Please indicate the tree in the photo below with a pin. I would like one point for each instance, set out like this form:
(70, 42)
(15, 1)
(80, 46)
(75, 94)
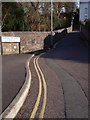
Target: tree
(37, 16)
(12, 16)
(29, 16)
(62, 17)
(33, 16)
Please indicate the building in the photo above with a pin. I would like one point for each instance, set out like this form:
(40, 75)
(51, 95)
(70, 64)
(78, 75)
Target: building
(84, 10)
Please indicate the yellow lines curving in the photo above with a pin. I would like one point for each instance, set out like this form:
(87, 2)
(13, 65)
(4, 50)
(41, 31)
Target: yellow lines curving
(39, 94)
(42, 83)
(45, 93)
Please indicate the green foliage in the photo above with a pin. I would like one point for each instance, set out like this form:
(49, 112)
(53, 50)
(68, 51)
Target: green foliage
(82, 23)
(87, 24)
(63, 22)
(26, 16)
(12, 17)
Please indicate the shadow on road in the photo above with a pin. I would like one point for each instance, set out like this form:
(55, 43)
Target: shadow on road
(71, 48)
(72, 56)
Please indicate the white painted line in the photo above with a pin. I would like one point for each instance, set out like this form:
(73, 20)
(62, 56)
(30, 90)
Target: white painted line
(12, 110)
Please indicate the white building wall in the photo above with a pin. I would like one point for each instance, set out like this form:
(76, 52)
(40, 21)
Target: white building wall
(84, 0)
(84, 11)
(89, 10)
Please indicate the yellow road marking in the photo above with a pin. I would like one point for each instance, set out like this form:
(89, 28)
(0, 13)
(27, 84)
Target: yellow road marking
(45, 92)
(40, 77)
(39, 94)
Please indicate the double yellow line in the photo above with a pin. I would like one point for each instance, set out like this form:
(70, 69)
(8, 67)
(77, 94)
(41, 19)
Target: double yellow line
(42, 84)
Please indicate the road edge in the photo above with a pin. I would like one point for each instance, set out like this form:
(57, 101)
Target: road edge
(12, 110)
(59, 42)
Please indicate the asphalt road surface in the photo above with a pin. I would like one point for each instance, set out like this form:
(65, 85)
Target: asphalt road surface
(65, 73)
(69, 61)
(13, 76)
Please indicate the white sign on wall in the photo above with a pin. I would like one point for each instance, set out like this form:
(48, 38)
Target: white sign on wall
(10, 39)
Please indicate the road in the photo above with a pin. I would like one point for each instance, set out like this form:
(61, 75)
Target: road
(59, 87)
(69, 61)
(13, 76)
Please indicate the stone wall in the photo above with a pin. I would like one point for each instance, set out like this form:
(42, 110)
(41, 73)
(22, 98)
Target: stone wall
(69, 29)
(85, 35)
(30, 41)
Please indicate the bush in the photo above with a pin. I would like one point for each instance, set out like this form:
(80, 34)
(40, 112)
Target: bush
(87, 24)
(82, 23)
(62, 23)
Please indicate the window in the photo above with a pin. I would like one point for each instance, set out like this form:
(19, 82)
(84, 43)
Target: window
(86, 10)
(86, 14)
(85, 17)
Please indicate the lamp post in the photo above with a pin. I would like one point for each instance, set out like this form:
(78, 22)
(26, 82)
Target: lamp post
(1, 46)
(51, 16)
(51, 23)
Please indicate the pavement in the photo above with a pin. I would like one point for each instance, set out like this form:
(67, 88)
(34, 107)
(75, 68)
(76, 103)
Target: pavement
(13, 77)
(65, 69)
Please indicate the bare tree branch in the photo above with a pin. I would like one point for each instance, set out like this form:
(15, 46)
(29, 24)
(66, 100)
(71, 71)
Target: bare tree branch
(2, 23)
